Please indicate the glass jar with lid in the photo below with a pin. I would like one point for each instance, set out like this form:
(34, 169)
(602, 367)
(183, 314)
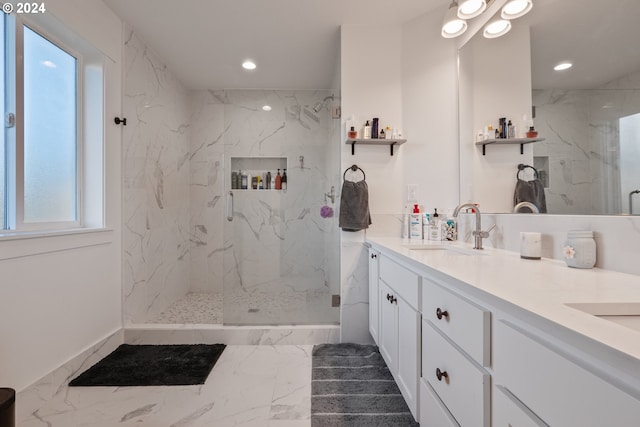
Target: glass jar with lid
(580, 249)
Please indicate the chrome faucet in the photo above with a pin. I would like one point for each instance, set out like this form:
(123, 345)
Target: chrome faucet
(533, 208)
(477, 233)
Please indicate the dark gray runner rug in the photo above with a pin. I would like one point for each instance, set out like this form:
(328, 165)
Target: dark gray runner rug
(351, 386)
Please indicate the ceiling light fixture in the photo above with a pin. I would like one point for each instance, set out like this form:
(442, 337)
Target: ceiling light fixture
(452, 26)
(471, 8)
(497, 28)
(266, 107)
(563, 66)
(249, 65)
(516, 8)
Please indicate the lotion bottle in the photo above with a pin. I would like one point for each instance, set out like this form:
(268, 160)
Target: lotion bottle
(415, 224)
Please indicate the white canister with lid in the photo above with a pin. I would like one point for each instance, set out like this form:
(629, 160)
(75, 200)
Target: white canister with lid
(580, 249)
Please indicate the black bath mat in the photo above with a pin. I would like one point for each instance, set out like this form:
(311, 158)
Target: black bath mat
(152, 365)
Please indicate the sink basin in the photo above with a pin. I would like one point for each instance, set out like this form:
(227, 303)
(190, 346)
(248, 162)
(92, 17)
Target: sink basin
(626, 314)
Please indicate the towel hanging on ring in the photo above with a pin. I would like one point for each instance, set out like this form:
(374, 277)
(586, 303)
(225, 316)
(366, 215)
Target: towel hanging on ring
(530, 191)
(354, 203)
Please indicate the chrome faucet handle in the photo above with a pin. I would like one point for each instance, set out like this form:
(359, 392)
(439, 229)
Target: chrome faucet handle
(484, 234)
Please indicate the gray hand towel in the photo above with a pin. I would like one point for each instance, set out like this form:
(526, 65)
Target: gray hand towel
(354, 206)
(530, 191)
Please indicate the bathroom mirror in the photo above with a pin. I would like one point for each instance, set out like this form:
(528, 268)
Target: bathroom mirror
(589, 114)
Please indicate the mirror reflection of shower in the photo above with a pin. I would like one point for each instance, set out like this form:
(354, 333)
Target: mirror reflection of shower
(321, 104)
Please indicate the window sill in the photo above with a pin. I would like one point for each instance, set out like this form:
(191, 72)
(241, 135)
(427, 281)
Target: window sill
(22, 244)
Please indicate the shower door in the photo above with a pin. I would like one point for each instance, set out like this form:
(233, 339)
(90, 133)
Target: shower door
(281, 257)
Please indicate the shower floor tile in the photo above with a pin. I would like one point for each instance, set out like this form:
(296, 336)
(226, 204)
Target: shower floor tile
(195, 307)
(261, 386)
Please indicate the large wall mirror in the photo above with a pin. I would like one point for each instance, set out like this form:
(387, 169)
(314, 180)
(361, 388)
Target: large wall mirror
(588, 115)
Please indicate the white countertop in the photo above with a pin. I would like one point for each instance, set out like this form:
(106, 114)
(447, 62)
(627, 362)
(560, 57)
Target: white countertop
(541, 287)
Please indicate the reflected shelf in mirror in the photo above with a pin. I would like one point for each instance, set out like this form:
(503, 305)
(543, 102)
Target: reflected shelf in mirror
(508, 141)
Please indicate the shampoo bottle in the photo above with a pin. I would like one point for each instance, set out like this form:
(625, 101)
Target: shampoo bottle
(278, 181)
(415, 224)
(366, 134)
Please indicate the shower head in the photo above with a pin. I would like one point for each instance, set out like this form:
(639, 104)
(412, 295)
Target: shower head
(320, 104)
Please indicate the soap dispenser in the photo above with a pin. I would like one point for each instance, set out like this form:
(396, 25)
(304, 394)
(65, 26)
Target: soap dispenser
(435, 230)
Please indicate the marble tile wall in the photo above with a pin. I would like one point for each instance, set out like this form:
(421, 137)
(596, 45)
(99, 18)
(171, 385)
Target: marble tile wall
(582, 134)
(274, 260)
(156, 153)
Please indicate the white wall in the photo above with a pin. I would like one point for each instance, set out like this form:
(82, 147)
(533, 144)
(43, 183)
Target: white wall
(413, 90)
(61, 294)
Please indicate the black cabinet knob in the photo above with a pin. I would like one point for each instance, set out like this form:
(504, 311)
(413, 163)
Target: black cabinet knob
(388, 297)
(441, 313)
(374, 256)
(441, 374)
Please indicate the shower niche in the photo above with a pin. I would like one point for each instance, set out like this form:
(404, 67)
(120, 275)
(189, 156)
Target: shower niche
(256, 173)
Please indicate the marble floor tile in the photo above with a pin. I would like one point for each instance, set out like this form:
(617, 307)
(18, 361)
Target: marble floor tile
(249, 386)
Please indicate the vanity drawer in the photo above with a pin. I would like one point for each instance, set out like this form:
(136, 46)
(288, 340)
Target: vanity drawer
(561, 391)
(403, 281)
(465, 323)
(463, 387)
(509, 411)
(432, 410)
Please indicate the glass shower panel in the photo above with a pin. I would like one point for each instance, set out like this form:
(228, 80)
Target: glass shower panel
(280, 263)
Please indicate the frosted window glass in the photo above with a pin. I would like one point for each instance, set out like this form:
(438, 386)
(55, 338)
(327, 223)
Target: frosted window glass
(50, 146)
(3, 143)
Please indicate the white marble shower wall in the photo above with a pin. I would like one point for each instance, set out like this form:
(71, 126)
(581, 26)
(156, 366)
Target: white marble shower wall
(582, 134)
(272, 259)
(156, 185)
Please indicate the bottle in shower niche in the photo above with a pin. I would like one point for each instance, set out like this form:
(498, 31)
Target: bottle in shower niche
(267, 181)
(234, 180)
(374, 128)
(284, 180)
(244, 181)
(278, 181)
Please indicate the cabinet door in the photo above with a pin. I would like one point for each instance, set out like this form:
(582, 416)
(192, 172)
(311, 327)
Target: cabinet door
(388, 332)
(408, 354)
(374, 300)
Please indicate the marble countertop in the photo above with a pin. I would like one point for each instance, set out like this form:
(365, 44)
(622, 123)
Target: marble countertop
(541, 287)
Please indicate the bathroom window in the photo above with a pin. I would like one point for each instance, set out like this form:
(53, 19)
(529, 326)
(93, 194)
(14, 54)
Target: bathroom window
(41, 165)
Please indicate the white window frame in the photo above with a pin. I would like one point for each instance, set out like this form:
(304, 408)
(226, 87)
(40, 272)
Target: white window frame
(15, 136)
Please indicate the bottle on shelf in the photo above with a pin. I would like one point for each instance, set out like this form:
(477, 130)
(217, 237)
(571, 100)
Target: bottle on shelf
(267, 183)
(278, 181)
(374, 128)
(382, 134)
(284, 180)
(366, 134)
(352, 133)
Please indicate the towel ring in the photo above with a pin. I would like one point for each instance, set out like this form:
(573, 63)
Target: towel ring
(522, 167)
(354, 168)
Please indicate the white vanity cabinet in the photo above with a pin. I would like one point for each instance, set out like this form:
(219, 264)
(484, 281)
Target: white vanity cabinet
(455, 347)
(554, 384)
(374, 293)
(399, 331)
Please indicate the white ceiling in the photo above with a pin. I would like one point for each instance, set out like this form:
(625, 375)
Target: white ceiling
(296, 42)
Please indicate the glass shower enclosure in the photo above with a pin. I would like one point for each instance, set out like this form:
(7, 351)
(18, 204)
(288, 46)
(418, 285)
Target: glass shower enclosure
(281, 256)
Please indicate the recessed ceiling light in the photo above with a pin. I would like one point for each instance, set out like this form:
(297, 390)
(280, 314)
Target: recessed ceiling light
(266, 107)
(563, 66)
(452, 26)
(249, 65)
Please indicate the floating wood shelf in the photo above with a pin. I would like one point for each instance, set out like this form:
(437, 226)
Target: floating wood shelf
(389, 142)
(508, 141)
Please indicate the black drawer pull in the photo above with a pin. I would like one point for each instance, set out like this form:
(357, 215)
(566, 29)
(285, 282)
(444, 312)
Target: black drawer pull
(441, 313)
(393, 299)
(389, 297)
(441, 374)
(373, 256)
